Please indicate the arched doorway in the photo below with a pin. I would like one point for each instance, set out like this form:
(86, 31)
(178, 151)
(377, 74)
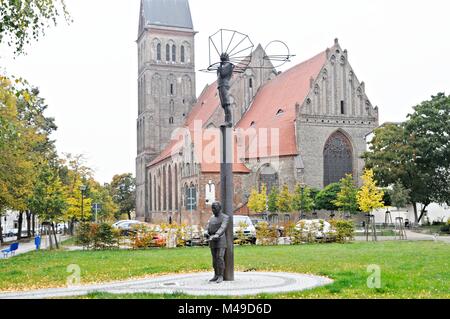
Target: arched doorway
(269, 177)
(337, 158)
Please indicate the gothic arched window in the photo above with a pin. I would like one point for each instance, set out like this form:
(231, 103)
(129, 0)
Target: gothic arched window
(164, 191)
(174, 53)
(170, 189)
(150, 195)
(158, 52)
(158, 197)
(269, 177)
(182, 54)
(191, 197)
(167, 52)
(171, 107)
(338, 158)
(176, 186)
(186, 86)
(171, 88)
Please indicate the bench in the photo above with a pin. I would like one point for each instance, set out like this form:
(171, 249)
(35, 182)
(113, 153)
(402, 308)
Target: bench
(11, 250)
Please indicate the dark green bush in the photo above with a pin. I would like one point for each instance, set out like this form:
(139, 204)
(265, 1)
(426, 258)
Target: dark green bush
(83, 235)
(97, 236)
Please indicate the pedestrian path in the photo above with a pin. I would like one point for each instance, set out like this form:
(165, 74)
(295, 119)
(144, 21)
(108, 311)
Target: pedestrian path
(196, 284)
(30, 246)
(411, 236)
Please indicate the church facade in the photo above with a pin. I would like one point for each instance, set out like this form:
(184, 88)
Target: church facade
(306, 125)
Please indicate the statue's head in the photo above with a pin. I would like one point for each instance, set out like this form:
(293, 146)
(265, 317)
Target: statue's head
(224, 57)
(216, 208)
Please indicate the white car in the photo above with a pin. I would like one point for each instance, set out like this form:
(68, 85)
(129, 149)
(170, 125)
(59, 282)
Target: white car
(117, 224)
(126, 225)
(318, 227)
(249, 230)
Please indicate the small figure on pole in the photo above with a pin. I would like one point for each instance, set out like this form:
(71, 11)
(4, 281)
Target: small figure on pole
(224, 74)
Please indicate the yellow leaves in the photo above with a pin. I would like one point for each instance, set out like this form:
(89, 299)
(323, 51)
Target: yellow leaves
(78, 206)
(369, 196)
(258, 200)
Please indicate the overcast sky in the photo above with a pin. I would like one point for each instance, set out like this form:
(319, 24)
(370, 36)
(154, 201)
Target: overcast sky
(87, 71)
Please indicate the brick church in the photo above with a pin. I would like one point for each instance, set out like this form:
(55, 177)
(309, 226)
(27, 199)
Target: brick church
(305, 125)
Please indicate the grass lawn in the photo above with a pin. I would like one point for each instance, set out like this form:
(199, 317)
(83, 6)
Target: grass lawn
(408, 269)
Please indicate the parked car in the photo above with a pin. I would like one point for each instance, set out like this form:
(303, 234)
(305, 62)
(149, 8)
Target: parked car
(249, 230)
(127, 227)
(116, 224)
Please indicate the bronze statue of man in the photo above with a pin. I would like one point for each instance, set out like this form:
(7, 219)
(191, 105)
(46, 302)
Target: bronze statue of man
(224, 74)
(215, 232)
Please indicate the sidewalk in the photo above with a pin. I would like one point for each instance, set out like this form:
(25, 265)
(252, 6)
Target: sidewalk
(29, 246)
(412, 236)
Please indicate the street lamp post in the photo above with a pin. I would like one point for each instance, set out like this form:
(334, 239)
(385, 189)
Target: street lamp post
(82, 189)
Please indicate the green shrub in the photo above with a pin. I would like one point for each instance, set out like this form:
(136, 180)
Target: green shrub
(105, 237)
(343, 230)
(83, 235)
(97, 236)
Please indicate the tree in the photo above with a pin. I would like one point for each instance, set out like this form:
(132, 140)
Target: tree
(257, 201)
(326, 197)
(272, 200)
(25, 144)
(284, 200)
(74, 174)
(49, 199)
(101, 195)
(369, 197)
(399, 195)
(429, 131)
(346, 198)
(8, 142)
(123, 192)
(78, 204)
(416, 154)
(302, 199)
(23, 21)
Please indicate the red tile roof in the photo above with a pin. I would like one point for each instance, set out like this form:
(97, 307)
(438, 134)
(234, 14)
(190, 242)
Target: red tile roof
(205, 107)
(282, 93)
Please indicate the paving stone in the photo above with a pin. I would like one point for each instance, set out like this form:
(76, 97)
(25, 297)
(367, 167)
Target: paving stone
(245, 284)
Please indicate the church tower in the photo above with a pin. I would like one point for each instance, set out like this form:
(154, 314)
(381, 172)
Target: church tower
(166, 81)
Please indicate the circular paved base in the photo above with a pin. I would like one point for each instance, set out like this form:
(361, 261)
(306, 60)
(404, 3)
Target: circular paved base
(250, 283)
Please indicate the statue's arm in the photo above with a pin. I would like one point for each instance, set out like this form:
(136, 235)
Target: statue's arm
(223, 227)
(207, 234)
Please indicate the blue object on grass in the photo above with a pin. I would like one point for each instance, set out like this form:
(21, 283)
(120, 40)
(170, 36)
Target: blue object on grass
(11, 250)
(37, 242)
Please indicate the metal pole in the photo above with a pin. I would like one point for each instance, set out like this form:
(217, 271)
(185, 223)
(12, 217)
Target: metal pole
(226, 184)
(82, 205)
